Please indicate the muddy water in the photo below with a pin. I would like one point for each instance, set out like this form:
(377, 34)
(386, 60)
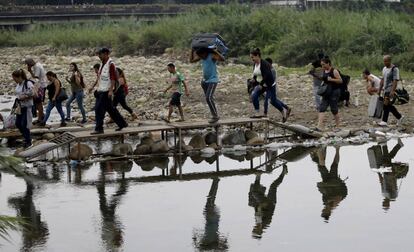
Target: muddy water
(351, 198)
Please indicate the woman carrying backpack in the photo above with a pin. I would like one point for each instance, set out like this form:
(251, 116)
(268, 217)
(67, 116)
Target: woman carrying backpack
(333, 79)
(120, 93)
(262, 74)
(77, 85)
(24, 94)
(53, 89)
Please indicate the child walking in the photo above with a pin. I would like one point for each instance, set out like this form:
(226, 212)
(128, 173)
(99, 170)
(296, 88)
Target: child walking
(177, 85)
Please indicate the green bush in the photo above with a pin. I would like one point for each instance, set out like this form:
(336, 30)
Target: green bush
(293, 38)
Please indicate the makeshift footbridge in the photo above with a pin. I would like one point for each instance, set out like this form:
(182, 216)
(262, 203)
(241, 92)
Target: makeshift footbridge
(176, 128)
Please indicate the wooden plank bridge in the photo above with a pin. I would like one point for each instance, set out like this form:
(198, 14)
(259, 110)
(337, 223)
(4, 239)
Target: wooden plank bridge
(177, 128)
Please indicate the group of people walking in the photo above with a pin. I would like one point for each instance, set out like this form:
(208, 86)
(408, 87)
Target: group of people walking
(111, 89)
(326, 74)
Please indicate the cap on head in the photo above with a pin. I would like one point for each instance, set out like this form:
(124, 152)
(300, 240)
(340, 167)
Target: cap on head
(104, 50)
(29, 61)
(170, 64)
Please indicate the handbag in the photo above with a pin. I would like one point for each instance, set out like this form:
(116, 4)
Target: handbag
(62, 95)
(10, 121)
(401, 96)
(324, 89)
(17, 108)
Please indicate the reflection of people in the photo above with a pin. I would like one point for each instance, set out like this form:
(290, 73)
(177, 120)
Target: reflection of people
(332, 187)
(36, 231)
(379, 157)
(211, 238)
(264, 206)
(112, 233)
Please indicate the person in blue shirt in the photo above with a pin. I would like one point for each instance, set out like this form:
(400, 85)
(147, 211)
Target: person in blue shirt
(209, 59)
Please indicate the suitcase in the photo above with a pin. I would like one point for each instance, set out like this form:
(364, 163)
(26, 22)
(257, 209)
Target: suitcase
(380, 107)
(372, 106)
(210, 41)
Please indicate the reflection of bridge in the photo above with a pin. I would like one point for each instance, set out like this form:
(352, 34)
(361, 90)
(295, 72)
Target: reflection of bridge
(177, 128)
(266, 164)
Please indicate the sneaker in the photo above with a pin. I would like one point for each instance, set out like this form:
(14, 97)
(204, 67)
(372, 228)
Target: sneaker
(63, 124)
(400, 121)
(27, 145)
(84, 121)
(382, 124)
(256, 114)
(213, 120)
(67, 119)
(122, 127)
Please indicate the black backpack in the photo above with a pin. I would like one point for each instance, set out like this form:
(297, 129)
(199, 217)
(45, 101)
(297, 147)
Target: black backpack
(345, 95)
(401, 95)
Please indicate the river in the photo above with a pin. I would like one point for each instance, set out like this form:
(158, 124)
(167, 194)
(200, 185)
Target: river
(345, 198)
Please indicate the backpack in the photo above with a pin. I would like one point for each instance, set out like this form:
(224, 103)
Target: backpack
(345, 95)
(35, 91)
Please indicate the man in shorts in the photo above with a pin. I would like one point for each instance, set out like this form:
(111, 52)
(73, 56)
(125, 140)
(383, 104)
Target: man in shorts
(177, 85)
(38, 73)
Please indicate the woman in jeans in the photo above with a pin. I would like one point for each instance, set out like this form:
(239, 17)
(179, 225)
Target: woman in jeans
(76, 84)
(53, 92)
(121, 93)
(24, 94)
(262, 74)
(331, 77)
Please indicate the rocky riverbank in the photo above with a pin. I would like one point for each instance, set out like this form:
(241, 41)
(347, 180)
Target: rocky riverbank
(147, 79)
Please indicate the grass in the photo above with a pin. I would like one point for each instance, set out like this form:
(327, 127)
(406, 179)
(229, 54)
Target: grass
(353, 39)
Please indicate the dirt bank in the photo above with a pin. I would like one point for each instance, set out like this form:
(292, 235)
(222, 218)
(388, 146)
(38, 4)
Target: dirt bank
(147, 78)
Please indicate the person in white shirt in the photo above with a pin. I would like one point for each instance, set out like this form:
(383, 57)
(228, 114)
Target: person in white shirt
(373, 85)
(38, 73)
(107, 77)
(24, 94)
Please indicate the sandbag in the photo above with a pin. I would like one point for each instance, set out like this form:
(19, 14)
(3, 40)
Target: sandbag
(36, 149)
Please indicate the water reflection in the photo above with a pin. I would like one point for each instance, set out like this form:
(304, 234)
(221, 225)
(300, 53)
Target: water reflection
(261, 182)
(36, 232)
(264, 205)
(380, 160)
(332, 187)
(210, 238)
(112, 228)
(78, 168)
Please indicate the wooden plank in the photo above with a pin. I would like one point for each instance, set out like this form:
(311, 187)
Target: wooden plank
(298, 129)
(129, 130)
(41, 131)
(206, 124)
